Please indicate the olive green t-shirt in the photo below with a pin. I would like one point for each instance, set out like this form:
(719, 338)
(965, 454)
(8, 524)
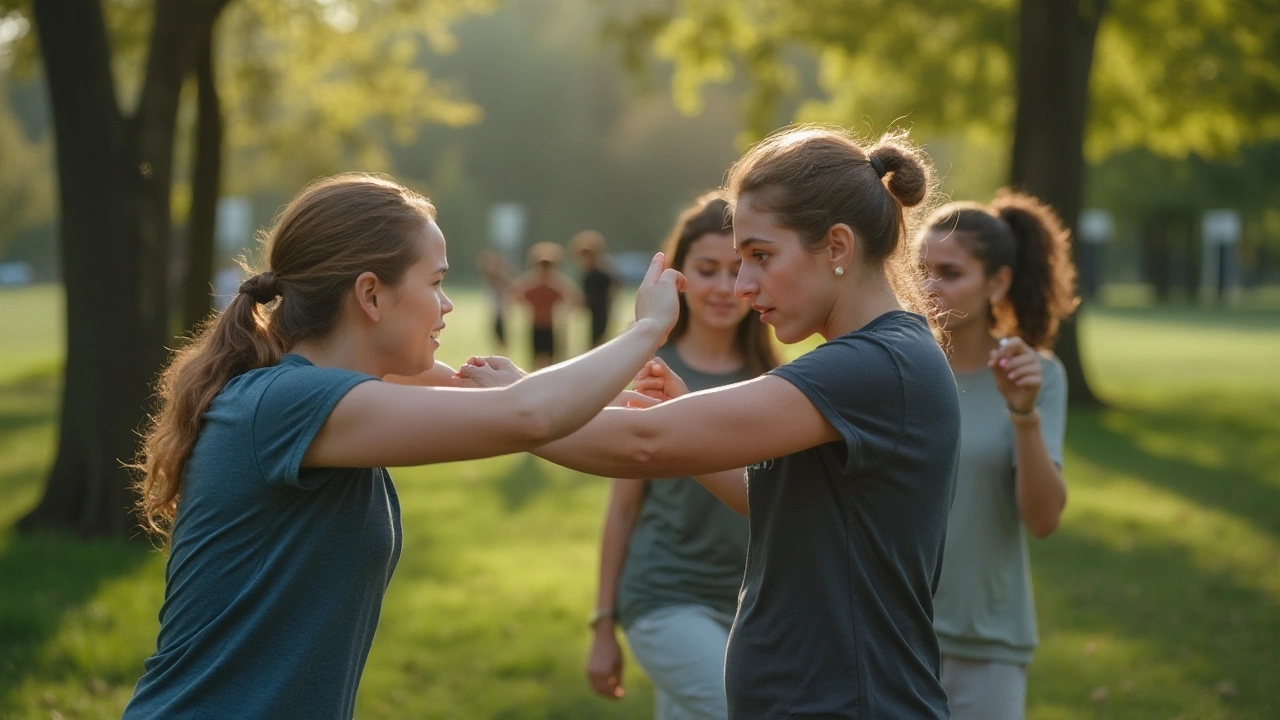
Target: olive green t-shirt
(688, 547)
(983, 609)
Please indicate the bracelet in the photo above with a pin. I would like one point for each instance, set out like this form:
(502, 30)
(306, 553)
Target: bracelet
(597, 616)
(1024, 418)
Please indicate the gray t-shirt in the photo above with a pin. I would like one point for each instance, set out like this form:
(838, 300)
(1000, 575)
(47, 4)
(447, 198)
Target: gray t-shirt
(983, 609)
(846, 538)
(687, 547)
(276, 572)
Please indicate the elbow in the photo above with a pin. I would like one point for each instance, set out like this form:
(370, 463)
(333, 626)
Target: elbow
(535, 425)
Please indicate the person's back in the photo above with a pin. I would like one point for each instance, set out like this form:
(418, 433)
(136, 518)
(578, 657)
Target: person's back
(276, 572)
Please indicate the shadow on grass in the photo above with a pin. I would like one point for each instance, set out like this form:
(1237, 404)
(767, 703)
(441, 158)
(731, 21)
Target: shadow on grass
(1178, 613)
(526, 480)
(48, 576)
(1221, 458)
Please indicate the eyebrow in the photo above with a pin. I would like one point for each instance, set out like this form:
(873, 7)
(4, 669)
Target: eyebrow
(753, 241)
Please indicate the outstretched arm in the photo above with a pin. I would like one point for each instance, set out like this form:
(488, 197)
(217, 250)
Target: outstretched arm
(378, 423)
(706, 432)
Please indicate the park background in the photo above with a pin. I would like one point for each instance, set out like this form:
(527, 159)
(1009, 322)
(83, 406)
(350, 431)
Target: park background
(1159, 597)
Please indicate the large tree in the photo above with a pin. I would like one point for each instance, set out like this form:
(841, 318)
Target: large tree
(116, 174)
(1171, 75)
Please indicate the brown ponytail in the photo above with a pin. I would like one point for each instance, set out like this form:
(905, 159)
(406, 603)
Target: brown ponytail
(334, 230)
(815, 177)
(1022, 233)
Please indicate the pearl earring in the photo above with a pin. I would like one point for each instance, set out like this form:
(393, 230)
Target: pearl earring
(839, 271)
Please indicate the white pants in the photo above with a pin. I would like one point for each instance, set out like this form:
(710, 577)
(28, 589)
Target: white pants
(682, 648)
(984, 689)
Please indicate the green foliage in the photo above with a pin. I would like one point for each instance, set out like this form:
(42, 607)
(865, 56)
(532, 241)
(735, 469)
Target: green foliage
(1171, 76)
(347, 76)
(1157, 597)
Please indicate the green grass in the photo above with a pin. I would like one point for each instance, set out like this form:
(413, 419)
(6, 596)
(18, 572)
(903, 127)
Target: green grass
(1158, 598)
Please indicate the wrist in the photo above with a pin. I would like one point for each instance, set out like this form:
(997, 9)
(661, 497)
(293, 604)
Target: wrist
(601, 619)
(654, 331)
(1023, 417)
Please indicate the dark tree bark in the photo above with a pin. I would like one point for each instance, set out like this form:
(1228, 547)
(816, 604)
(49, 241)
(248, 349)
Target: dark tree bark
(206, 181)
(113, 189)
(1055, 54)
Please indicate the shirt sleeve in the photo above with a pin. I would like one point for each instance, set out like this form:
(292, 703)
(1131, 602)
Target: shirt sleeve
(857, 386)
(290, 413)
(1052, 404)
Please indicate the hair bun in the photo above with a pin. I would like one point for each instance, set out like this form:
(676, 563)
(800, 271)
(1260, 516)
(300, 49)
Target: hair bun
(906, 174)
(263, 287)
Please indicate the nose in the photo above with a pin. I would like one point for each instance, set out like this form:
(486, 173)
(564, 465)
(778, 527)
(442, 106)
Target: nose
(446, 305)
(745, 286)
(725, 281)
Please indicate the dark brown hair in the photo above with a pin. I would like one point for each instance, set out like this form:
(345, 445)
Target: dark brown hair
(812, 178)
(709, 215)
(1022, 233)
(334, 230)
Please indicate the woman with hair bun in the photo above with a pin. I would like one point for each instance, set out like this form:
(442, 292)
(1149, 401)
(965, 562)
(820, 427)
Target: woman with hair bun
(264, 470)
(849, 450)
(1003, 276)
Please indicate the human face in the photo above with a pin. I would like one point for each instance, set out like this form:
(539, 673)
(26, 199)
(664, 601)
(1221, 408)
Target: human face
(414, 316)
(711, 269)
(958, 280)
(779, 276)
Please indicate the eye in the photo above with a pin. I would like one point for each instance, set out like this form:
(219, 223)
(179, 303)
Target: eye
(706, 272)
(759, 256)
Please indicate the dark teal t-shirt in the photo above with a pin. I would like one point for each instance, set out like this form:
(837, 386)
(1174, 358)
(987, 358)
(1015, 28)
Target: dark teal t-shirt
(846, 538)
(276, 573)
(688, 547)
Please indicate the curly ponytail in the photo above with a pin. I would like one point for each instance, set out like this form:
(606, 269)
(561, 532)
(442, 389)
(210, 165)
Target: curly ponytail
(1022, 233)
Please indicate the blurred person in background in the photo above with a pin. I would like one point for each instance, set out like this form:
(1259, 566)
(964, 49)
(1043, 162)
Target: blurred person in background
(672, 554)
(545, 290)
(497, 282)
(1003, 276)
(598, 284)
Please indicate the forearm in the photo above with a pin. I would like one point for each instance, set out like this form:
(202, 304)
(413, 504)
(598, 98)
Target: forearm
(610, 367)
(1040, 490)
(730, 486)
(618, 526)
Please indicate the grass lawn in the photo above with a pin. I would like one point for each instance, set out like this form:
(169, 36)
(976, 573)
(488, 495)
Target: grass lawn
(1158, 598)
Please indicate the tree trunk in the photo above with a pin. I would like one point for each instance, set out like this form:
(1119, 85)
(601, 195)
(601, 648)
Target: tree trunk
(113, 191)
(206, 181)
(1055, 52)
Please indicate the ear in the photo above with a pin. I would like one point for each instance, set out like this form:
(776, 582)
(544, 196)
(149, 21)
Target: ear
(367, 288)
(842, 246)
(998, 284)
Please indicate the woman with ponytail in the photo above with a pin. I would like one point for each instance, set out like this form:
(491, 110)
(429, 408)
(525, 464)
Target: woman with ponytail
(849, 451)
(264, 470)
(1003, 275)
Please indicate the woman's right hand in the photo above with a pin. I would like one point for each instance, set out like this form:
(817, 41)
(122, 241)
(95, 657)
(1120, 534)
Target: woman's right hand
(604, 664)
(658, 381)
(658, 298)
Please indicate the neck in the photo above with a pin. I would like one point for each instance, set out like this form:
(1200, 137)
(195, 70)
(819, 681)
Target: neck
(709, 350)
(970, 345)
(868, 299)
(339, 350)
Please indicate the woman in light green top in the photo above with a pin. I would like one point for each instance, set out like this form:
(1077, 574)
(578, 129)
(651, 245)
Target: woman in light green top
(672, 555)
(1004, 277)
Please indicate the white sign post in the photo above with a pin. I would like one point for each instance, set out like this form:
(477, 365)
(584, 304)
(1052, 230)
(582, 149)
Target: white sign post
(1219, 277)
(1095, 230)
(507, 223)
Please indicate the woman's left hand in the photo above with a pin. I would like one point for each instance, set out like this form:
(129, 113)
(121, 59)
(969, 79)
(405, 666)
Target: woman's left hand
(489, 371)
(1016, 367)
